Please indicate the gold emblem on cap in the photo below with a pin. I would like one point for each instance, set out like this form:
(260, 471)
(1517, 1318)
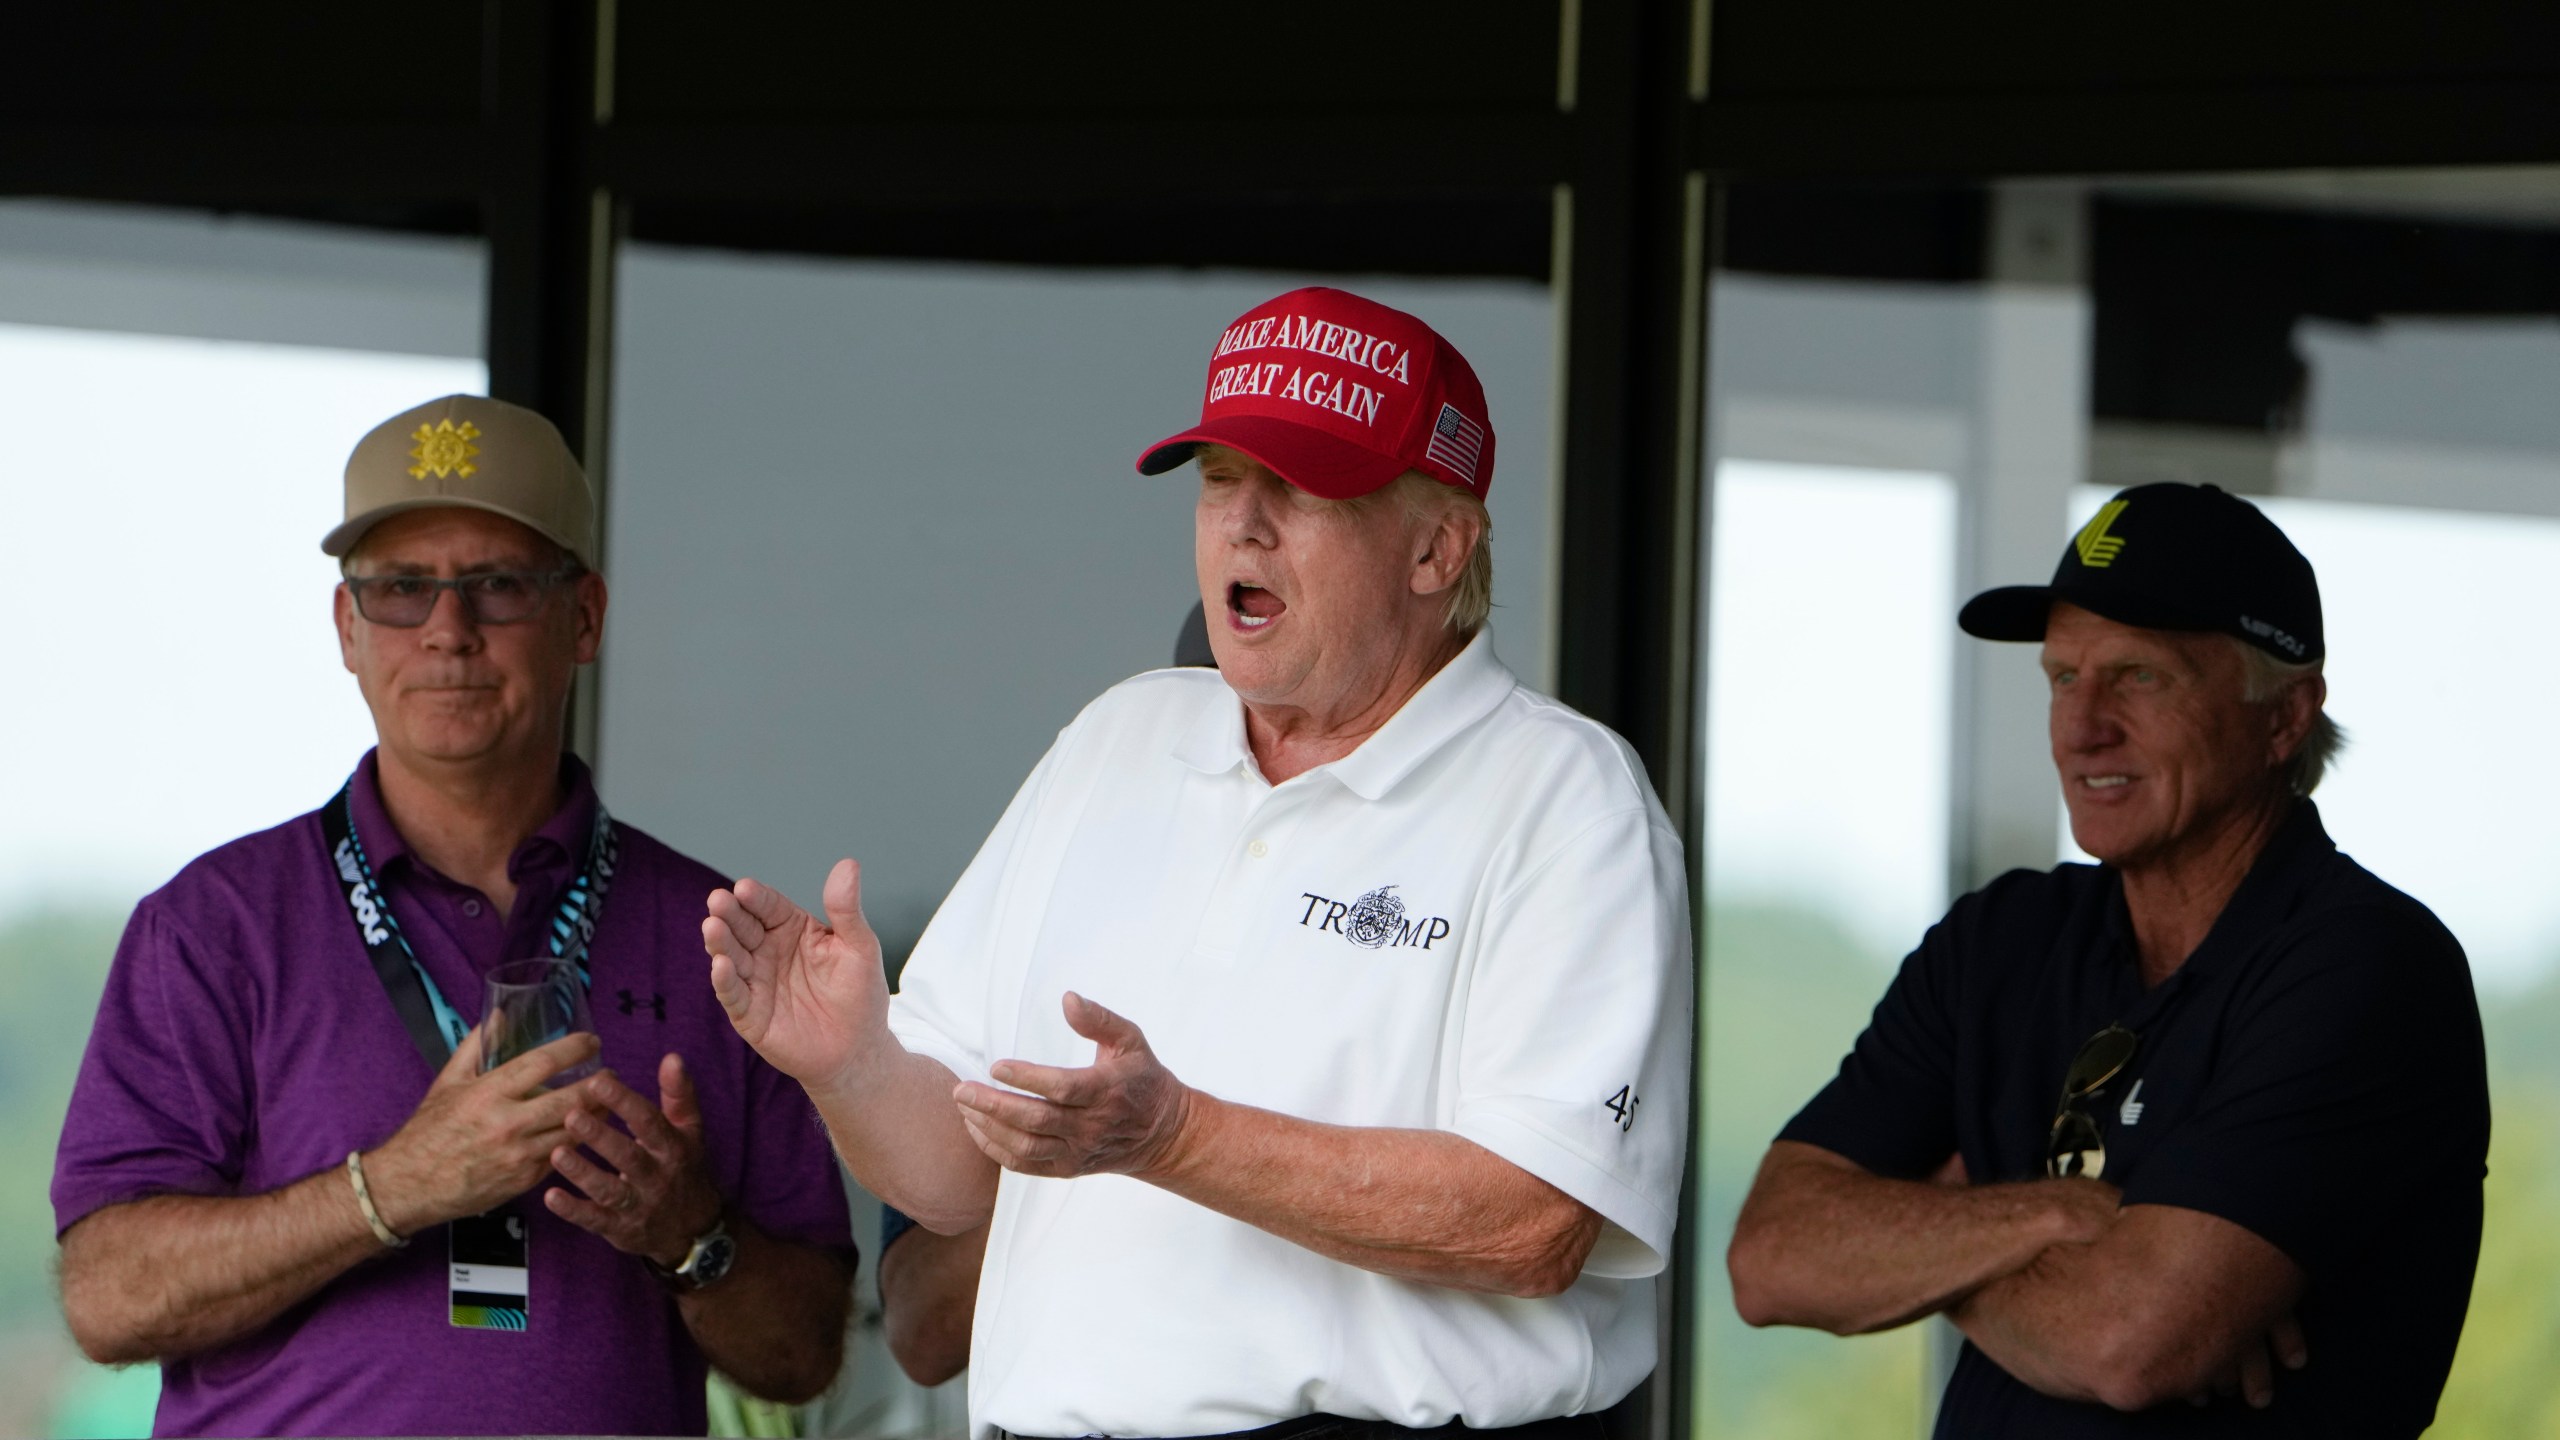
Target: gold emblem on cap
(444, 449)
(2097, 548)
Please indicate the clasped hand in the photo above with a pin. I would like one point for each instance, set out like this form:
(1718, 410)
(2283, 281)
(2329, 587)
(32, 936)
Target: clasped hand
(647, 1191)
(477, 1141)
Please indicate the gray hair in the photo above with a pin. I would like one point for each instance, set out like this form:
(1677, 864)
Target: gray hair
(2266, 678)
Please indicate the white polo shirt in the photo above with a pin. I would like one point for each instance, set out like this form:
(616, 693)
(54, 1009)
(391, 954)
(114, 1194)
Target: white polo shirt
(1476, 922)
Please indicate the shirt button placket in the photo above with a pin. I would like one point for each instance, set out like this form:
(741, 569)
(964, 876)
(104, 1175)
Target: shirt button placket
(1241, 883)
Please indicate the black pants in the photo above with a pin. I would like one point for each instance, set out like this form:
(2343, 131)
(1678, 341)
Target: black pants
(1336, 1427)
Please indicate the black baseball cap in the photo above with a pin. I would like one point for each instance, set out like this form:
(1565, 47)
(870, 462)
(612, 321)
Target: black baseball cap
(2172, 557)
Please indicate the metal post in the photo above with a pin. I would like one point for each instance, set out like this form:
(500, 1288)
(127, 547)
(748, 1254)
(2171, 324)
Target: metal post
(1632, 286)
(551, 234)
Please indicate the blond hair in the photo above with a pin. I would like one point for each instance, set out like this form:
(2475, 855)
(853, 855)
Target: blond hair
(1425, 500)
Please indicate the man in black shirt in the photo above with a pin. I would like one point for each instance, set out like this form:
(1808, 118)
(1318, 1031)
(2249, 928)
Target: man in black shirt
(2189, 1142)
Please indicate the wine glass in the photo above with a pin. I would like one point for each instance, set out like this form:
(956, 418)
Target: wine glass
(532, 1003)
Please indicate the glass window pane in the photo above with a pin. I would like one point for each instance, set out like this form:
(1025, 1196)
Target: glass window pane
(1828, 709)
(179, 394)
(2370, 357)
(2441, 719)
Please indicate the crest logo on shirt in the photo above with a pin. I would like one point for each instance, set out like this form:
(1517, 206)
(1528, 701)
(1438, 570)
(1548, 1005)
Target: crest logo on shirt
(1375, 921)
(1373, 918)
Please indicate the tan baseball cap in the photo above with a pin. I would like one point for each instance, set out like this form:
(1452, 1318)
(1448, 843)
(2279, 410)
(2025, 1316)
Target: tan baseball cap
(475, 451)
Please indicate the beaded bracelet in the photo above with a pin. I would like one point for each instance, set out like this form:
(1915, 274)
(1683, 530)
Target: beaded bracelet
(364, 1202)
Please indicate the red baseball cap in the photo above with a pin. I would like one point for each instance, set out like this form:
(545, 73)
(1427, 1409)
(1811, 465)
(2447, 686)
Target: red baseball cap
(1339, 395)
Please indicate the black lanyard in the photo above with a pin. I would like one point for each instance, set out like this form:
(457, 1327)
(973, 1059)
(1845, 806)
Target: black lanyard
(434, 1026)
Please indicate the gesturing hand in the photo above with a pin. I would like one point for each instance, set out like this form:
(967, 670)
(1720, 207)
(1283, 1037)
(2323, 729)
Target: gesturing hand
(808, 997)
(477, 1140)
(1123, 1115)
(652, 1195)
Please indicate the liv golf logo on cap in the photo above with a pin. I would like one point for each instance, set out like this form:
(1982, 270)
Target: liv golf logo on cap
(2098, 549)
(1339, 395)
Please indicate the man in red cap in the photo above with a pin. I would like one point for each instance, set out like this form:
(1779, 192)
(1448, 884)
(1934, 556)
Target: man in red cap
(1312, 1034)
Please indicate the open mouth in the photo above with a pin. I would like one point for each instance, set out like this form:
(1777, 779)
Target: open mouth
(2106, 782)
(1251, 607)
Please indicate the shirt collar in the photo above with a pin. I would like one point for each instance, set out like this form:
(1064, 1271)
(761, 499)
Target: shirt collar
(560, 841)
(1464, 691)
(2266, 894)
(2274, 882)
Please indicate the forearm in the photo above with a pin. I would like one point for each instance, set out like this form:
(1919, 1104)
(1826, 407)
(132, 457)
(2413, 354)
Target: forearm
(2039, 1325)
(928, 1301)
(2162, 1307)
(1420, 1205)
(892, 1121)
(775, 1323)
(175, 1274)
(1825, 1244)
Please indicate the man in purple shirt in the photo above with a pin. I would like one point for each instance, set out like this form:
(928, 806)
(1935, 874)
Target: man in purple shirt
(285, 1176)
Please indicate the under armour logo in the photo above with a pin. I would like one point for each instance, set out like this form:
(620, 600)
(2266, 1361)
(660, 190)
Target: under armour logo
(2130, 1112)
(655, 1005)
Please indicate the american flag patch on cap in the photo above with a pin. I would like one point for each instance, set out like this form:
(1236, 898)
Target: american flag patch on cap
(1456, 442)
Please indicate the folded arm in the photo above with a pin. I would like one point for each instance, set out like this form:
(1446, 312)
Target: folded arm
(1822, 1242)
(2167, 1304)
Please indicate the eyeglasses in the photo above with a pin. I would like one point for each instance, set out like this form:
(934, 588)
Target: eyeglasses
(2077, 1146)
(490, 597)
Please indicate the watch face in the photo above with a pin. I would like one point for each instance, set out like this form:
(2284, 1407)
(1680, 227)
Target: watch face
(717, 1254)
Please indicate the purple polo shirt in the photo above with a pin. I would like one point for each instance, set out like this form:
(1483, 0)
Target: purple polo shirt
(244, 1043)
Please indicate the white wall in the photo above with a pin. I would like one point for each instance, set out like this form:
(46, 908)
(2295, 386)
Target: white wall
(875, 536)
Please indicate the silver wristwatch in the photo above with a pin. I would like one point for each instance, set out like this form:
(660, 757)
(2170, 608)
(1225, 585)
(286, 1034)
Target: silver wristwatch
(713, 1252)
